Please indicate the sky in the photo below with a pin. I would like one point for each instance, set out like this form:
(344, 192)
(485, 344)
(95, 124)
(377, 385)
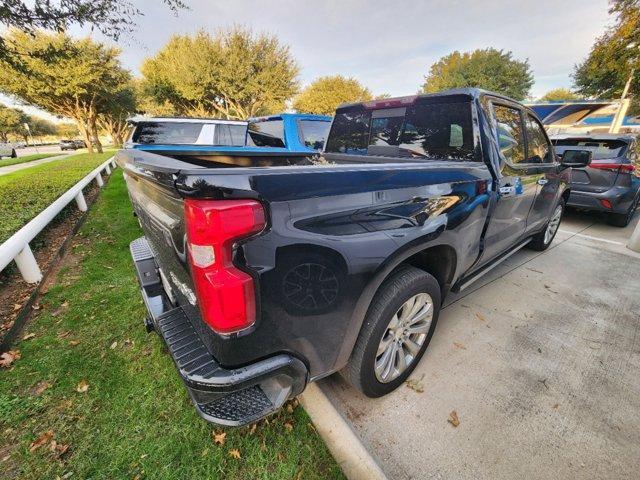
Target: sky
(387, 45)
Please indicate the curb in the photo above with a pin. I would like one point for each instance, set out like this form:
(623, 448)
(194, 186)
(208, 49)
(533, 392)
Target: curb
(345, 446)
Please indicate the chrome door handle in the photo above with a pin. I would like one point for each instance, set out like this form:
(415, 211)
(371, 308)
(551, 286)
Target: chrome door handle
(543, 181)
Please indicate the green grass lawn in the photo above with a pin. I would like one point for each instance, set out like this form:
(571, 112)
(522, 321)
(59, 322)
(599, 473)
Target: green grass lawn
(5, 162)
(25, 193)
(136, 419)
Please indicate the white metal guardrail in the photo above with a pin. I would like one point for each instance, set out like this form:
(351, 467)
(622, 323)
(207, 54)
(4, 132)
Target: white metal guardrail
(17, 246)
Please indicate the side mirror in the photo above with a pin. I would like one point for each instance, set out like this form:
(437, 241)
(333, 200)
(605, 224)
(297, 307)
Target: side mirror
(576, 158)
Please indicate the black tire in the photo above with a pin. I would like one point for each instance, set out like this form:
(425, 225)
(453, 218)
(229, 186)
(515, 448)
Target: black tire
(623, 219)
(392, 294)
(13, 153)
(538, 241)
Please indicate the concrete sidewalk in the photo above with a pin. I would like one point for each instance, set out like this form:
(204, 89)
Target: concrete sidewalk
(21, 166)
(541, 362)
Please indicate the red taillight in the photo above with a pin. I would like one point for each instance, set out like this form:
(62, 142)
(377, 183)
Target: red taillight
(225, 294)
(614, 167)
(606, 203)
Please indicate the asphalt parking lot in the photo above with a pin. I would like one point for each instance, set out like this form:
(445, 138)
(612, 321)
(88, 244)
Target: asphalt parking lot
(539, 361)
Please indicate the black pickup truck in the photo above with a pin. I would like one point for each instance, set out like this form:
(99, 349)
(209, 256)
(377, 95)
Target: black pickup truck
(263, 273)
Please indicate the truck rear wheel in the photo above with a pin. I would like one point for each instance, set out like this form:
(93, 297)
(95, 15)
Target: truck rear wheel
(396, 332)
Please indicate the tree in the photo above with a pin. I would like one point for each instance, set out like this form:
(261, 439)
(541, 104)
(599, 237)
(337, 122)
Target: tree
(39, 127)
(324, 94)
(614, 56)
(559, 94)
(111, 17)
(234, 74)
(67, 130)
(490, 69)
(11, 122)
(75, 83)
(115, 111)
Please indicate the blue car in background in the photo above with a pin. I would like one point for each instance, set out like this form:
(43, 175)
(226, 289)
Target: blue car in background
(286, 133)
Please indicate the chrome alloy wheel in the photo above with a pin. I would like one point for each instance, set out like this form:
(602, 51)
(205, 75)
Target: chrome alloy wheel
(403, 338)
(553, 225)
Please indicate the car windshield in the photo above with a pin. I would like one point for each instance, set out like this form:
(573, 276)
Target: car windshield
(166, 132)
(423, 130)
(602, 149)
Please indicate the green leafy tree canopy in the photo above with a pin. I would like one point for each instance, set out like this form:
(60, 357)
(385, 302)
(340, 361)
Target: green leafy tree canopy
(233, 74)
(111, 17)
(614, 56)
(324, 94)
(491, 69)
(76, 83)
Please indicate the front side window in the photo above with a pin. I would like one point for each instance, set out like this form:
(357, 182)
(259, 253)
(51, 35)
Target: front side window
(166, 132)
(423, 130)
(313, 133)
(538, 148)
(266, 133)
(510, 134)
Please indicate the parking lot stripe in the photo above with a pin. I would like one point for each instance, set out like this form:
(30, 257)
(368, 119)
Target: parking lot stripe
(598, 239)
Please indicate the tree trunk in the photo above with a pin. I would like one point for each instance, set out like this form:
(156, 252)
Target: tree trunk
(94, 134)
(84, 131)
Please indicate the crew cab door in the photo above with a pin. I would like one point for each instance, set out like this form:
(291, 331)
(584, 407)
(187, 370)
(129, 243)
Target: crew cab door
(517, 180)
(541, 158)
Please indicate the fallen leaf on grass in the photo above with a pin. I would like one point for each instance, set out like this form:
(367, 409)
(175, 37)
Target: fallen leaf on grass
(35, 306)
(219, 438)
(16, 307)
(453, 418)
(73, 343)
(288, 426)
(7, 358)
(64, 334)
(113, 346)
(235, 453)
(82, 387)
(459, 345)
(40, 387)
(41, 440)
(252, 429)
(28, 336)
(416, 384)
(58, 448)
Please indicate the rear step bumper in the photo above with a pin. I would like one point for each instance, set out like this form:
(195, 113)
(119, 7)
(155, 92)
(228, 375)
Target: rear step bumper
(620, 198)
(223, 396)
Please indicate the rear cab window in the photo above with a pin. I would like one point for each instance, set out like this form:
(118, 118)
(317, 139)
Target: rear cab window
(601, 149)
(429, 129)
(266, 133)
(166, 132)
(313, 133)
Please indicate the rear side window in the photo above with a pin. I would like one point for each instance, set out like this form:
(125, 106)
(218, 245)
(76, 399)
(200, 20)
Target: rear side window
(538, 148)
(231, 135)
(313, 133)
(510, 134)
(427, 130)
(601, 149)
(266, 133)
(166, 132)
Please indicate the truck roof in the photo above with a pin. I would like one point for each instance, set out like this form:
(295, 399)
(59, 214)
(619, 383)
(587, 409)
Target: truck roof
(141, 118)
(471, 93)
(299, 116)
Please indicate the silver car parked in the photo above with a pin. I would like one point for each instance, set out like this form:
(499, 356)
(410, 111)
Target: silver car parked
(611, 182)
